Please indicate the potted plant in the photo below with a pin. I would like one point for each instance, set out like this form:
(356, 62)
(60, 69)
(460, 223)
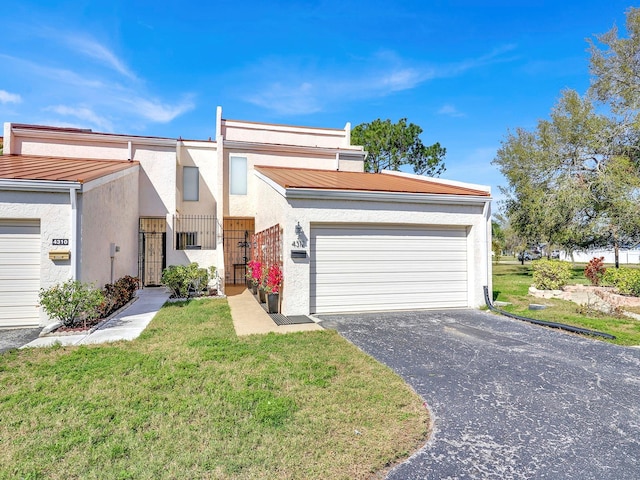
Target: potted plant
(262, 284)
(255, 267)
(274, 283)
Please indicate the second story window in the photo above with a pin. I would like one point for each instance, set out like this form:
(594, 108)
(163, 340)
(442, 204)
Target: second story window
(190, 184)
(237, 175)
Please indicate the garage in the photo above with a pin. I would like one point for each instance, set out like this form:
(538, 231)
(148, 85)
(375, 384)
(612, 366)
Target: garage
(387, 267)
(19, 273)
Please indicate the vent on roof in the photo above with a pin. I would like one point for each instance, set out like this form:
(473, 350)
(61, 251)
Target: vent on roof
(350, 155)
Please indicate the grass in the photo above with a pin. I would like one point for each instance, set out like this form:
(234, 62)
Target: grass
(189, 399)
(511, 282)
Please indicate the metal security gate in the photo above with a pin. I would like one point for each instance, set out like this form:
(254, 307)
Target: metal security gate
(152, 250)
(237, 233)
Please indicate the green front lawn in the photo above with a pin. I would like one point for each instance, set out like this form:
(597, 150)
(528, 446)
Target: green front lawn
(511, 283)
(189, 399)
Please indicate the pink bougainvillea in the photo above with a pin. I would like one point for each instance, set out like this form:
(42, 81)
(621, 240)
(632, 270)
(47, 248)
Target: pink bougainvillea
(254, 271)
(274, 279)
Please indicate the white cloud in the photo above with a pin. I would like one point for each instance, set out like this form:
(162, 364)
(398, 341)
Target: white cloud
(97, 93)
(158, 111)
(6, 97)
(297, 99)
(97, 51)
(450, 111)
(300, 86)
(82, 113)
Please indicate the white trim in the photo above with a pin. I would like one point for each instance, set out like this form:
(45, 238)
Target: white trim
(90, 185)
(38, 185)
(271, 183)
(73, 200)
(276, 147)
(92, 136)
(397, 197)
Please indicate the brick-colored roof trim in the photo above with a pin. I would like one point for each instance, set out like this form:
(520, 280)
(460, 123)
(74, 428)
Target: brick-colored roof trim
(36, 167)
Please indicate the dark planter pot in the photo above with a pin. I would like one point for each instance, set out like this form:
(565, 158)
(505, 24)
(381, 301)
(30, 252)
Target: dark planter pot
(254, 288)
(262, 295)
(248, 282)
(273, 302)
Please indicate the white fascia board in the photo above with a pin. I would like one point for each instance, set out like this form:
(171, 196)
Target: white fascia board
(271, 183)
(453, 183)
(93, 137)
(391, 197)
(90, 185)
(274, 147)
(39, 185)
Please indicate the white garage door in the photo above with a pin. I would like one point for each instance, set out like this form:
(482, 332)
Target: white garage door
(356, 268)
(19, 273)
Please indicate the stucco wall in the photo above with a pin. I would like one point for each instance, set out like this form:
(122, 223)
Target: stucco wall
(54, 212)
(285, 134)
(157, 180)
(76, 148)
(243, 205)
(312, 212)
(109, 214)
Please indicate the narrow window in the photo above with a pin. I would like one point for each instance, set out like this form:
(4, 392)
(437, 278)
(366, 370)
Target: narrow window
(190, 184)
(237, 175)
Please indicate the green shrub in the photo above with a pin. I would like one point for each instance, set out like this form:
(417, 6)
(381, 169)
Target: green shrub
(182, 278)
(550, 274)
(625, 280)
(71, 301)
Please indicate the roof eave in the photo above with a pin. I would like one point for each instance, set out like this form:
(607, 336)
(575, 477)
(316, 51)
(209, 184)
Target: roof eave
(352, 150)
(38, 185)
(395, 197)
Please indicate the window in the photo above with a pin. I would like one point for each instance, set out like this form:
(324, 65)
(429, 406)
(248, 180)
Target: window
(237, 175)
(187, 241)
(194, 232)
(190, 184)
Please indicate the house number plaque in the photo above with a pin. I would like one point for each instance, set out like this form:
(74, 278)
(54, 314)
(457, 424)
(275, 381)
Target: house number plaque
(60, 241)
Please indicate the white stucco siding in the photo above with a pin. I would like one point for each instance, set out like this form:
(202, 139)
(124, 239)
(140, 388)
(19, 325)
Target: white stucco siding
(243, 205)
(204, 156)
(56, 147)
(157, 181)
(109, 214)
(285, 134)
(310, 212)
(53, 211)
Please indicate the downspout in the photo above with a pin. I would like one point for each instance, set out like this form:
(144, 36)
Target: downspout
(487, 236)
(74, 233)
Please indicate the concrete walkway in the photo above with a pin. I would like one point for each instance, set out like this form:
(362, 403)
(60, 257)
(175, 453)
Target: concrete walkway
(126, 325)
(250, 318)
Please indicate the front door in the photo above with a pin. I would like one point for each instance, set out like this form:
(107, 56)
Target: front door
(152, 250)
(237, 234)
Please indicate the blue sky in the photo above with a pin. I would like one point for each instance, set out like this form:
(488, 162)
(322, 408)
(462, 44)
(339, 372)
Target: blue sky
(465, 73)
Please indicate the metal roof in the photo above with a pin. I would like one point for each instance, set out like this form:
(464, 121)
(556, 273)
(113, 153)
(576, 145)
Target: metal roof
(35, 167)
(360, 181)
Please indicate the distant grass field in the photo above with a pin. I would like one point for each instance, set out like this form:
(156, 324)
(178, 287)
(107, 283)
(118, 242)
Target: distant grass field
(189, 399)
(511, 282)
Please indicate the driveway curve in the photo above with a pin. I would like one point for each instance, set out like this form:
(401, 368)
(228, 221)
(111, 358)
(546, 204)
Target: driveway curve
(509, 400)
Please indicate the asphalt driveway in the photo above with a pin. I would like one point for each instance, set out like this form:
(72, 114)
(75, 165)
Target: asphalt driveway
(11, 338)
(509, 400)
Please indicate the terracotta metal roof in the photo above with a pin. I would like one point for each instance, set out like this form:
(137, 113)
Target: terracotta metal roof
(35, 167)
(372, 182)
